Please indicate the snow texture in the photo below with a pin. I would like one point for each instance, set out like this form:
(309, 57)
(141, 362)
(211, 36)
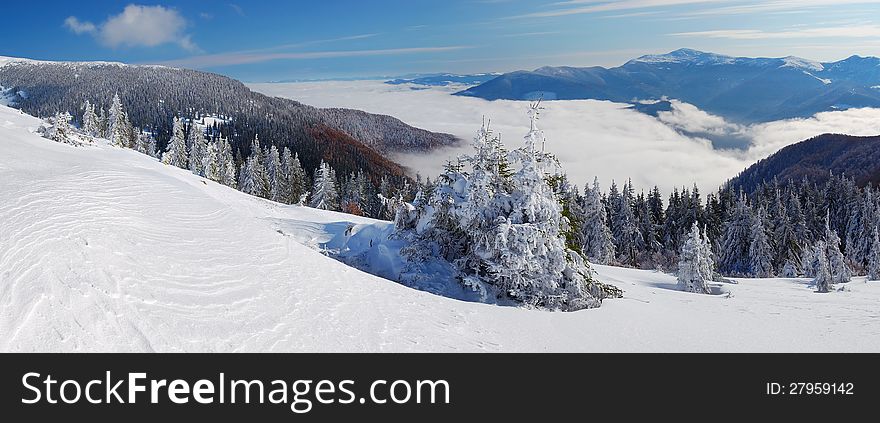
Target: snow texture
(107, 249)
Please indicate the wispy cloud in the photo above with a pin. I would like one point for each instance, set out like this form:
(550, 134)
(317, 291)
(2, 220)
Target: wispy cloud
(864, 31)
(530, 34)
(237, 9)
(772, 6)
(579, 7)
(237, 58)
(137, 26)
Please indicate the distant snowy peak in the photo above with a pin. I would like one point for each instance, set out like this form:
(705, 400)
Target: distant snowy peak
(802, 64)
(686, 55)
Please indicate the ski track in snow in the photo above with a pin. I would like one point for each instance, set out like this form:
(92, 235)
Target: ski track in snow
(105, 249)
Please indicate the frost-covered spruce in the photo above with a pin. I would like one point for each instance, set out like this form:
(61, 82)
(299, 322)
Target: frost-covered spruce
(598, 242)
(822, 268)
(874, 257)
(501, 225)
(324, 194)
(90, 123)
(145, 143)
(118, 128)
(211, 164)
(840, 272)
(274, 174)
(760, 253)
(695, 263)
(176, 154)
(198, 149)
(733, 256)
(59, 129)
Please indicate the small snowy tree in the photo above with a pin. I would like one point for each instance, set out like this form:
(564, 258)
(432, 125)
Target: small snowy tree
(59, 129)
(176, 154)
(840, 272)
(822, 268)
(324, 194)
(695, 263)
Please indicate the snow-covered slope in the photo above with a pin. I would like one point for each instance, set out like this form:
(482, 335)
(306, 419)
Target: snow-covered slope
(105, 249)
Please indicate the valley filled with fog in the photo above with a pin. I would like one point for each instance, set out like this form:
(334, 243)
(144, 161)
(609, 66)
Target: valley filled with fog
(591, 138)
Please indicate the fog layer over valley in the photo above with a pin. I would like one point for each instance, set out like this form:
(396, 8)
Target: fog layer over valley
(591, 138)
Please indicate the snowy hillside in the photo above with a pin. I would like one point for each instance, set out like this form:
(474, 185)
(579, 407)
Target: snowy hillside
(106, 249)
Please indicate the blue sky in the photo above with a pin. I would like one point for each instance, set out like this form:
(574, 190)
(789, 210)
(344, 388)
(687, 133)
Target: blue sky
(288, 40)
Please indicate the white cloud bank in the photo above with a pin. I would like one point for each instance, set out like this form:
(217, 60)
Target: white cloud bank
(137, 26)
(591, 138)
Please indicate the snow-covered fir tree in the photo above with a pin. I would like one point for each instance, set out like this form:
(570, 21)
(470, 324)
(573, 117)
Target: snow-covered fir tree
(275, 174)
(198, 149)
(874, 257)
(118, 129)
(254, 178)
(840, 272)
(695, 263)
(298, 181)
(228, 171)
(90, 124)
(822, 268)
(59, 129)
(501, 225)
(145, 143)
(760, 253)
(735, 243)
(598, 242)
(324, 192)
(175, 153)
(212, 167)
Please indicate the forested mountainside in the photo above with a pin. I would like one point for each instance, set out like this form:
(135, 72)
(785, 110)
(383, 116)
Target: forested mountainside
(349, 140)
(815, 160)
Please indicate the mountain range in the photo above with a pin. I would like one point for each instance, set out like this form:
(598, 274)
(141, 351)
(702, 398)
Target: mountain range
(741, 89)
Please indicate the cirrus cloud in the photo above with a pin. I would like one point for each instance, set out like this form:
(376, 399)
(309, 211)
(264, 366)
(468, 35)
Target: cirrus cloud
(137, 26)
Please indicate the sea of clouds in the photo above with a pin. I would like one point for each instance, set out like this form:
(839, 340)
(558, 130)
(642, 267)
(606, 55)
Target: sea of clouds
(590, 138)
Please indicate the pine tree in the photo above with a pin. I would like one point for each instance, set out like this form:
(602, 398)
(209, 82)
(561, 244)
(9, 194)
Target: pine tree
(823, 278)
(101, 124)
(874, 257)
(176, 154)
(840, 272)
(60, 129)
(324, 193)
(198, 147)
(118, 128)
(695, 263)
(90, 120)
(628, 240)
(213, 169)
(226, 162)
(274, 174)
(598, 242)
(285, 186)
(735, 243)
(760, 253)
(298, 182)
(254, 177)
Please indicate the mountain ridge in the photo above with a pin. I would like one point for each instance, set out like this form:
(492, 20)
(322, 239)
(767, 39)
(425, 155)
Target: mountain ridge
(742, 89)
